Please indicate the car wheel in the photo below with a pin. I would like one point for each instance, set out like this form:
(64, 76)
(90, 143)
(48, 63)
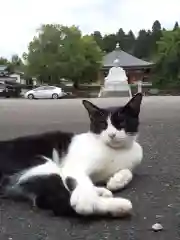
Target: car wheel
(31, 96)
(55, 96)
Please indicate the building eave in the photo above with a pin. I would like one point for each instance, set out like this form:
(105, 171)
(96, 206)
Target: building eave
(133, 67)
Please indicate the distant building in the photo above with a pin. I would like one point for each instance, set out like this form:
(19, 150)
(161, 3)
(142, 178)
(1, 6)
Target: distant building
(136, 69)
(7, 77)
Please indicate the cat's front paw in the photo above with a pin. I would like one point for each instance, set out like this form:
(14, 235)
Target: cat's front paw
(83, 201)
(120, 180)
(118, 207)
(104, 192)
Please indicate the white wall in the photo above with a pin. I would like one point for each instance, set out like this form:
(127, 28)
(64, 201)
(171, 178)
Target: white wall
(17, 76)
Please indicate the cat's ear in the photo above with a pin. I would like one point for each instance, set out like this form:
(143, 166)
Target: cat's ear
(134, 105)
(91, 108)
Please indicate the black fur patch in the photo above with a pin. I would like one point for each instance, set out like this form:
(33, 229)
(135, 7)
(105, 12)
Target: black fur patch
(51, 194)
(124, 117)
(71, 183)
(21, 153)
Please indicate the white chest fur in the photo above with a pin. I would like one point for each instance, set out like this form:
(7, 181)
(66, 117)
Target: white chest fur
(90, 155)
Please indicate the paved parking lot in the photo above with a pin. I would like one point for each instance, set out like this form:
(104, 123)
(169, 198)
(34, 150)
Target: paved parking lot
(154, 192)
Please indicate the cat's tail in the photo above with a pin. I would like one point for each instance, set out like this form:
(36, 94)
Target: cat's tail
(11, 184)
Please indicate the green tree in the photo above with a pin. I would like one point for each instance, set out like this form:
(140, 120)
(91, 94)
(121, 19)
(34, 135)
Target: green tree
(155, 37)
(129, 42)
(93, 59)
(176, 25)
(121, 38)
(167, 69)
(62, 52)
(3, 61)
(109, 42)
(16, 60)
(15, 64)
(98, 38)
(142, 47)
(156, 27)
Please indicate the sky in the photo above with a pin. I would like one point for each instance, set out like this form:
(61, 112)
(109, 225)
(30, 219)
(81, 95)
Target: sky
(19, 19)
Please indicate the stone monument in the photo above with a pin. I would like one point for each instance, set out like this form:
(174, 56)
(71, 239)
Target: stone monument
(116, 82)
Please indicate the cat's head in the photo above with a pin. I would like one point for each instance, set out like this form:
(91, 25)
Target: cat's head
(115, 126)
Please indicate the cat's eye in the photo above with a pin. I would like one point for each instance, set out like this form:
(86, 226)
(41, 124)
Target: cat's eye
(118, 122)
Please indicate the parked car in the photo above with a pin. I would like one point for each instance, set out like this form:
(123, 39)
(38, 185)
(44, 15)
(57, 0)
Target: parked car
(9, 90)
(45, 92)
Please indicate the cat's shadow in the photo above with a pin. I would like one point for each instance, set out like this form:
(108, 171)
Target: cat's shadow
(91, 219)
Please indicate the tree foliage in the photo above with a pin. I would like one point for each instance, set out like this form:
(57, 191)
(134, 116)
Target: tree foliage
(167, 67)
(62, 52)
(176, 26)
(12, 65)
(3, 61)
(143, 46)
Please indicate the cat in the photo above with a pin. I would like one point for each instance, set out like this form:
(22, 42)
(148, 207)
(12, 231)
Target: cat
(109, 152)
(58, 170)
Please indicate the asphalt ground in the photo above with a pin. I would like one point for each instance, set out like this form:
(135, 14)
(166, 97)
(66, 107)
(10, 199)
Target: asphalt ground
(154, 191)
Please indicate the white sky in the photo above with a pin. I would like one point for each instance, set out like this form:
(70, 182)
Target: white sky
(19, 19)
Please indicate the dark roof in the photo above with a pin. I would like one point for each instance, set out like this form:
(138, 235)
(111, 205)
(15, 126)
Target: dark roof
(11, 83)
(125, 59)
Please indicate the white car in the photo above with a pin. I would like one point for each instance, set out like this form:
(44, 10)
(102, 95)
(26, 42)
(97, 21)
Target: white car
(45, 92)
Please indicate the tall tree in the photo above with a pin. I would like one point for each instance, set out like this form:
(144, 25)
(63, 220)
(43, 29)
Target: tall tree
(167, 69)
(141, 49)
(176, 25)
(155, 36)
(61, 52)
(93, 53)
(16, 60)
(16, 64)
(121, 38)
(98, 38)
(3, 61)
(109, 42)
(129, 42)
(156, 27)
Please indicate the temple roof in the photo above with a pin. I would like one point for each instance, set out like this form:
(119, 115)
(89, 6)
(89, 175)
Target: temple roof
(125, 59)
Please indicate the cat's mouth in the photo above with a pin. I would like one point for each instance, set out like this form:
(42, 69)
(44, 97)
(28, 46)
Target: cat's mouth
(116, 143)
(121, 142)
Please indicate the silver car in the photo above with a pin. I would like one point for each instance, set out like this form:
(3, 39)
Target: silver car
(45, 92)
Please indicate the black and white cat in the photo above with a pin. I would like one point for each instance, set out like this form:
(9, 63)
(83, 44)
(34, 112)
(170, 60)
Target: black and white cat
(58, 170)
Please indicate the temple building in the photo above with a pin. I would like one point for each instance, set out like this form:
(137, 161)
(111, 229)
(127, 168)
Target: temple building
(136, 69)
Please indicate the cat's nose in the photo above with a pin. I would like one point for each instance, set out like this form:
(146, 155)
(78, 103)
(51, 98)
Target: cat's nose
(112, 135)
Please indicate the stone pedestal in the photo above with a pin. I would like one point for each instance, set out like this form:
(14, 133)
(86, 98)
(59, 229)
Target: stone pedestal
(116, 83)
